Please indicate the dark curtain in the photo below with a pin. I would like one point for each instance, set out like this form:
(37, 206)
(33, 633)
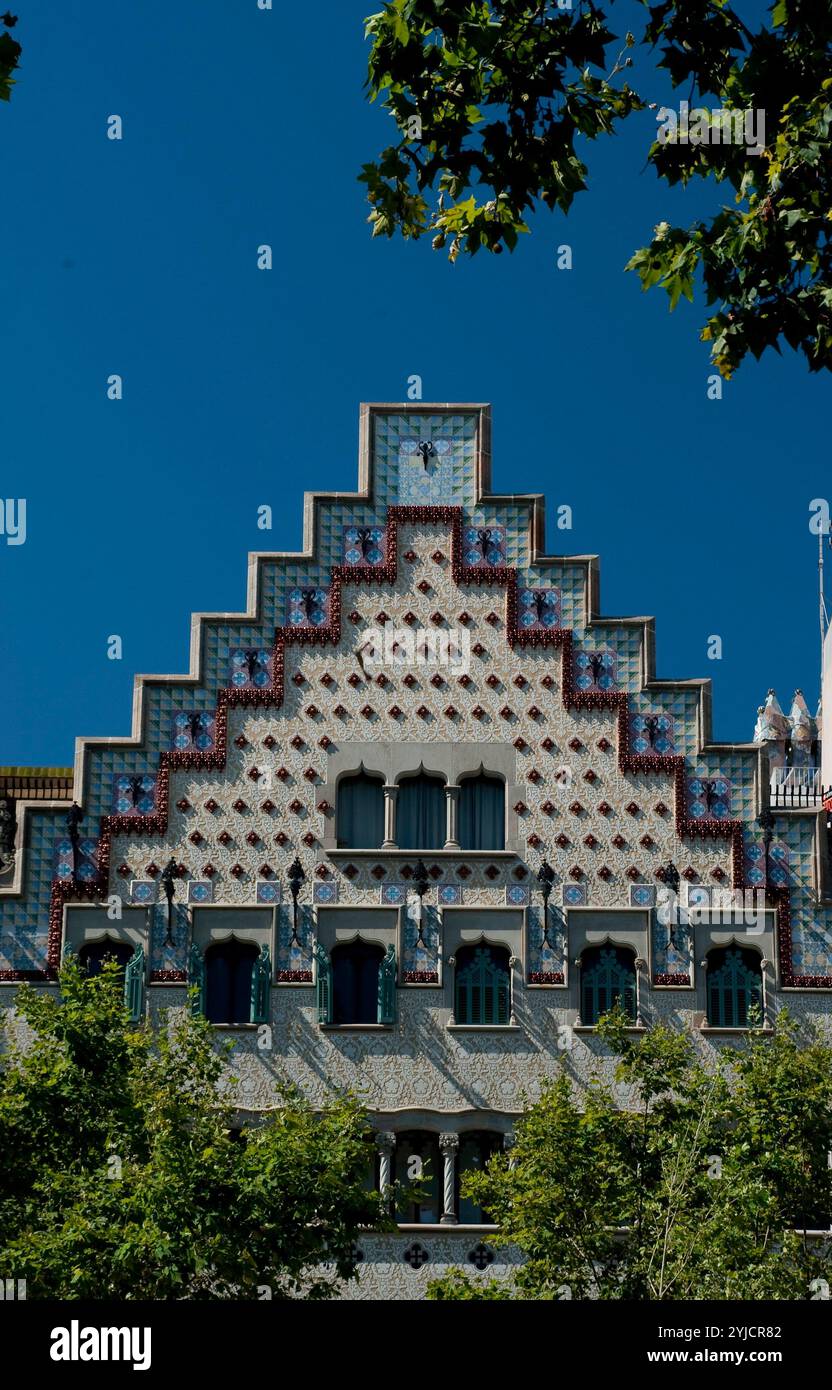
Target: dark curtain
(420, 813)
(355, 982)
(228, 972)
(360, 812)
(482, 813)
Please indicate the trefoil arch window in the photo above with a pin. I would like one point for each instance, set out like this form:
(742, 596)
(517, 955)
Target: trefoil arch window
(482, 986)
(608, 977)
(356, 983)
(233, 980)
(734, 987)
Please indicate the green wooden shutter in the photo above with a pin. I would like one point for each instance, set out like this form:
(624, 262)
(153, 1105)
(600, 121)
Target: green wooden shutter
(196, 976)
(324, 972)
(134, 985)
(261, 987)
(387, 987)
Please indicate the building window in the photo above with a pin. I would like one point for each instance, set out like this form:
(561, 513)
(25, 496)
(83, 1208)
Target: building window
(483, 986)
(93, 955)
(734, 986)
(608, 977)
(474, 1152)
(420, 813)
(131, 963)
(482, 813)
(360, 812)
(356, 984)
(233, 981)
(229, 968)
(418, 1167)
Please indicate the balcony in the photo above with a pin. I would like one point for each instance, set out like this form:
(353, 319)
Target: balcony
(793, 787)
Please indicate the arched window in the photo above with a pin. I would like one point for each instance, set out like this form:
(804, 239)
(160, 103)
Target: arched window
(419, 1166)
(355, 979)
(229, 980)
(420, 813)
(360, 812)
(475, 1149)
(95, 953)
(608, 977)
(734, 985)
(482, 813)
(482, 985)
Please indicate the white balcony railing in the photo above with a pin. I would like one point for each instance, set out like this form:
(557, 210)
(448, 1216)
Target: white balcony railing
(795, 786)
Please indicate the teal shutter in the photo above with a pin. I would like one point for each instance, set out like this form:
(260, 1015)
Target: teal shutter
(261, 987)
(387, 987)
(134, 985)
(324, 965)
(609, 981)
(483, 989)
(196, 976)
(734, 991)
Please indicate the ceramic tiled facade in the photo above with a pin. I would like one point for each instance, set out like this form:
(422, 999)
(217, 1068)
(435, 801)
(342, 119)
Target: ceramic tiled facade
(610, 776)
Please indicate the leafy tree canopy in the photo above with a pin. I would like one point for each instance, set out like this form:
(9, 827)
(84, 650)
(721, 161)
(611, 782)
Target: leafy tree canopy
(10, 52)
(121, 1176)
(697, 1189)
(493, 99)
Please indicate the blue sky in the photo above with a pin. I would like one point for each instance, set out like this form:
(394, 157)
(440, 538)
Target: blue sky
(241, 387)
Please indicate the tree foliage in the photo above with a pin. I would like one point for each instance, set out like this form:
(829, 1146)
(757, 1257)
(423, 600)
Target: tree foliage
(121, 1178)
(496, 99)
(698, 1188)
(10, 52)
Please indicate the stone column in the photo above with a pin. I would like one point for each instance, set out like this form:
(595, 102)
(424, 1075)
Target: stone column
(386, 1143)
(390, 795)
(451, 814)
(449, 1146)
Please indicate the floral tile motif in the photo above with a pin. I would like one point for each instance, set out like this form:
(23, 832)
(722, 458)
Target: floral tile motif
(325, 892)
(250, 667)
(364, 545)
(145, 890)
(755, 864)
(485, 545)
(709, 798)
(268, 892)
(652, 733)
(450, 894)
(393, 894)
(134, 795)
(573, 894)
(192, 730)
(517, 895)
(87, 858)
(539, 609)
(308, 607)
(201, 890)
(425, 469)
(642, 895)
(596, 670)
